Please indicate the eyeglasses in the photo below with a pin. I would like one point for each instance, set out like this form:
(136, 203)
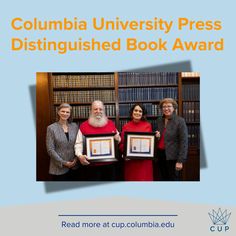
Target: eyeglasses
(167, 107)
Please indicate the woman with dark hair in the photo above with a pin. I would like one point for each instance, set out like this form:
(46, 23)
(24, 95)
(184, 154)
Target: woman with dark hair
(172, 146)
(60, 141)
(137, 170)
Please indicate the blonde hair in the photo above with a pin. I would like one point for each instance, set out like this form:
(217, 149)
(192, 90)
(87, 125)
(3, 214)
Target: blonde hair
(169, 100)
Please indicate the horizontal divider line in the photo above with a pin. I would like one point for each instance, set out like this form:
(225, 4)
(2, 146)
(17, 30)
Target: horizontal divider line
(113, 215)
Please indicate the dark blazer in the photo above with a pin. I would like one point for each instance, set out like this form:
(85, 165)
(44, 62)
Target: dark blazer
(176, 138)
(59, 148)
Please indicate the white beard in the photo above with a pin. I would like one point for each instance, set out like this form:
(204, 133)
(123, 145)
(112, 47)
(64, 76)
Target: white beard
(97, 121)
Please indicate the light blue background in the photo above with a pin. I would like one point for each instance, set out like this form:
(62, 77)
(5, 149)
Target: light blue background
(18, 135)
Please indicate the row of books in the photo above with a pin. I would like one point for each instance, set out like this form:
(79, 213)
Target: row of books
(191, 111)
(125, 78)
(152, 109)
(194, 135)
(83, 96)
(81, 112)
(82, 81)
(148, 78)
(137, 94)
(191, 92)
(190, 74)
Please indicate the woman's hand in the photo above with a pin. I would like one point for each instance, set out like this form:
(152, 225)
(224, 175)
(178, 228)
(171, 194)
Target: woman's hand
(117, 137)
(70, 164)
(158, 134)
(178, 166)
(83, 160)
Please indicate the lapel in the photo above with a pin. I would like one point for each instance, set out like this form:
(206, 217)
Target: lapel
(62, 133)
(168, 126)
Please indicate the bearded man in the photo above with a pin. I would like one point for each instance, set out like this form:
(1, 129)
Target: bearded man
(98, 123)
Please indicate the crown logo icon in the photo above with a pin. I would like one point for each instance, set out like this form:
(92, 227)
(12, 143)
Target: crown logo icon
(219, 217)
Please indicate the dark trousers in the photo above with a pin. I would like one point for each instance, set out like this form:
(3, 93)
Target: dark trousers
(164, 170)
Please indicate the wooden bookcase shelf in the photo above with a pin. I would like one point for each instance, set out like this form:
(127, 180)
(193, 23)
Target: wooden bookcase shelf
(190, 109)
(147, 86)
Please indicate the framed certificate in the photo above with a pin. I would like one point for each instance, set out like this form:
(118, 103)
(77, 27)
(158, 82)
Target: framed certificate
(100, 147)
(139, 145)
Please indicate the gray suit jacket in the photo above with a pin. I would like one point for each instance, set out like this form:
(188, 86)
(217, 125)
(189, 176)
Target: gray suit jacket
(176, 138)
(59, 148)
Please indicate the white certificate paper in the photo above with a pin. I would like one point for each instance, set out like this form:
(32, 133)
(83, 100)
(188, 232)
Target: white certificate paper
(100, 147)
(141, 145)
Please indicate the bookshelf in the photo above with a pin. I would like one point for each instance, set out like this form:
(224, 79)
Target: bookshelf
(80, 90)
(119, 91)
(189, 106)
(147, 88)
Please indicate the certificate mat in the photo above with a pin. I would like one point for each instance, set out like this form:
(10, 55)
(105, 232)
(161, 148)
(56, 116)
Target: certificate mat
(100, 147)
(140, 145)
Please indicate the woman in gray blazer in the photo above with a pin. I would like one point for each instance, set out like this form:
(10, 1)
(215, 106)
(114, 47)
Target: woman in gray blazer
(60, 141)
(172, 146)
